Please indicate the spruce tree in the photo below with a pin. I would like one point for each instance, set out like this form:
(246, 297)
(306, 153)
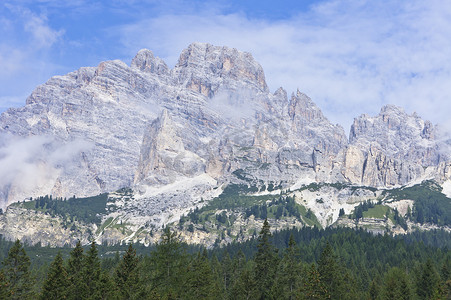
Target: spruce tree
(265, 262)
(226, 272)
(91, 273)
(200, 282)
(75, 264)
(17, 274)
(445, 271)
(330, 272)
(396, 285)
(429, 281)
(57, 283)
(314, 288)
(169, 262)
(126, 275)
(3, 286)
(374, 290)
(242, 281)
(245, 285)
(288, 277)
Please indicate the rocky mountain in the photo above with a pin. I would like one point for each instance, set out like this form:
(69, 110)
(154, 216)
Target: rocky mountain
(178, 137)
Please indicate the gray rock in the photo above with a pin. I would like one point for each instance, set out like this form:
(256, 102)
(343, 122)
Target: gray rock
(209, 118)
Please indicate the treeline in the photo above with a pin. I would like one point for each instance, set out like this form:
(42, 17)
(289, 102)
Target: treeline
(291, 264)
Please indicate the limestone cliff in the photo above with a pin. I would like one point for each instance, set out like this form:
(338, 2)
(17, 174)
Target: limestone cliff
(179, 136)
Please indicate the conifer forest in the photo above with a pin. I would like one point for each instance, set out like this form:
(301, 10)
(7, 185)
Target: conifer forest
(308, 263)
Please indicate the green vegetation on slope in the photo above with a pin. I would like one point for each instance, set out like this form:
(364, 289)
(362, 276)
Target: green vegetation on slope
(430, 204)
(87, 210)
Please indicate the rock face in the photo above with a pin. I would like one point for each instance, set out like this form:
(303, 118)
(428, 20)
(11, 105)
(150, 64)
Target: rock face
(392, 148)
(209, 118)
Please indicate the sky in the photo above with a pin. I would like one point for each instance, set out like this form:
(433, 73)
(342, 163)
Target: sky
(351, 57)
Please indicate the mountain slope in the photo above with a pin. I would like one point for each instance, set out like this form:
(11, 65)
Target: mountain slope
(179, 137)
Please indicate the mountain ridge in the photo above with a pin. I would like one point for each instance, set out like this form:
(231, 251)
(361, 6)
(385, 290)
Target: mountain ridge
(207, 123)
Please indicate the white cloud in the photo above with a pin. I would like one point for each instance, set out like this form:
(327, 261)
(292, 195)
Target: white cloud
(33, 162)
(351, 57)
(234, 105)
(43, 35)
(25, 53)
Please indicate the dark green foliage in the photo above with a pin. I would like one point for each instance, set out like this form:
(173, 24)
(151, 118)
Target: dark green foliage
(92, 273)
(77, 286)
(200, 283)
(359, 209)
(374, 290)
(333, 275)
(396, 285)
(428, 282)
(281, 207)
(288, 278)
(17, 279)
(311, 264)
(3, 286)
(57, 283)
(169, 264)
(430, 204)
(266, 262)
(87, 210)
(127, 275)
(314, 288)
(399, 219)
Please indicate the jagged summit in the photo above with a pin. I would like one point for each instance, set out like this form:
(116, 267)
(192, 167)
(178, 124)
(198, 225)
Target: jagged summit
(147, 62)
(204, 68)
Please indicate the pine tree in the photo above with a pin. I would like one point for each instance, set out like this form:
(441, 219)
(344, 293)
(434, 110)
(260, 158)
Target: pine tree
(265, 262)
(242, 282)
(445, 271)
(245, 285)
(396, 285)
(169, 262)
(226, 272)
(429, 281)
(374, 290)
(216, 268)
(106, 287)
(3, 286)
(329, 271)
(127, 276)
(288, 279)
(57, 283)
(77, 285)
(17, 274)
(91, 273)
(313, 286)
(200, 282)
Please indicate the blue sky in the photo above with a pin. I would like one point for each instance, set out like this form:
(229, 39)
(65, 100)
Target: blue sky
(351, 57)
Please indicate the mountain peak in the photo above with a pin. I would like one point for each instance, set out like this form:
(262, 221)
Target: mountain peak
(147, 62)
(204, 64)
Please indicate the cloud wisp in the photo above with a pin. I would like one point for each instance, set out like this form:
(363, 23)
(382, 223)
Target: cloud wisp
(26, 50)
(33, 163)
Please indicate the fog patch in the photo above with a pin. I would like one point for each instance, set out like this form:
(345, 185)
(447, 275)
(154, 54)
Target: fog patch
(443, 138)
(235, 105)
(32, 164)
